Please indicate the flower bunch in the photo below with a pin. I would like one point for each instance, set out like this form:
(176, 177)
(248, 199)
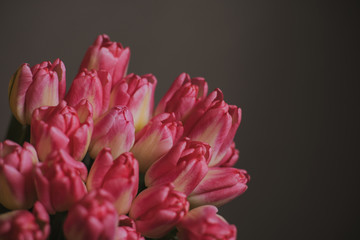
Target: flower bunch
(103, 162)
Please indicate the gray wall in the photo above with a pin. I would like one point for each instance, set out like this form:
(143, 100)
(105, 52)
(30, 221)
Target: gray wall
(290, 65)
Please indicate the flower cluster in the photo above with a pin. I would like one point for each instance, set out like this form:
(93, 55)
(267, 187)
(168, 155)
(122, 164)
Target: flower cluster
(102, 162)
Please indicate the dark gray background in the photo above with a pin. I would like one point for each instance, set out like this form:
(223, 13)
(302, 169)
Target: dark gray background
(291, 66)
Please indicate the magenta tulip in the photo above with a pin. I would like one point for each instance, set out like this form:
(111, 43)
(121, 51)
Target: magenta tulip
(215, 122)
(120, 177)
(42, 85)
(17, 189)
(115, 130)
(157, 209)
(156, 139)
(62, 127)
(185, 165)
(127, 229)
(59, 181)
(137, 93)
(22, 224)
(93, 217)
(203, 223)
(94, 86)
(183, 95)
(109, 56)
(219, 186)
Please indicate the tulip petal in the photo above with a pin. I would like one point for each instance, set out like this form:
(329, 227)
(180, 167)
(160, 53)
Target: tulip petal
(18, 86)
(219, 186)
(10, 181)
(100, 167)
(115, 130)
(44, 91)
(42, 188)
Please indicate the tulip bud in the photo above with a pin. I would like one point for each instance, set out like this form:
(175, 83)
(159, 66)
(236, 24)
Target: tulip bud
(127, 229)
(93, 217)
(137, 93)
(42, 85)
(62, 127)
(115, 130)
(204, 223)
(185, 165)
(16, 175)
(120, 177)
(94, 86)
(183, 95)
(231, 156)
(109, 56)
(22, 224)
(59, 181)
(219, 186)
(156, 139)
(157, 209)
(214, 122)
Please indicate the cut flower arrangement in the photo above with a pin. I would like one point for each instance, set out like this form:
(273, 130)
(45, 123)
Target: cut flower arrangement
(100, 161)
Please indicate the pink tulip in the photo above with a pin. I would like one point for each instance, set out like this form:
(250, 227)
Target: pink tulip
(22, 224)
(137, 93)
(62, 127)
(183, 95)
(16, 175)
(107, 55)
(219, 186)
(156, 139)
(120, 177)
(231, 156)
(157, 209)
(42, 85)
(93, 217)
(94, 86)
(59, 181)
(115, 130)
(215, 122)
(127, 229)
(203, 223)
(185, 165)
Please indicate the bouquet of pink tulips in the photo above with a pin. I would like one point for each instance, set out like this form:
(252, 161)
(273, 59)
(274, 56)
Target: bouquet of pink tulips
(102, 162)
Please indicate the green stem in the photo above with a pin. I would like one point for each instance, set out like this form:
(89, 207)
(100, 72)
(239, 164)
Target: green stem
(170, 236)
(141, 182)
(56, 226)
(17, 132)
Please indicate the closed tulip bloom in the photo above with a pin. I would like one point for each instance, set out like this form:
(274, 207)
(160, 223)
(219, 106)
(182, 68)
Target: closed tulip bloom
(94, 86)
(156, 139)
(157, 209)
(93, 217)
(219, 186)
(203, 223)
(215, 122)
(120, 177)
(127, 229)
(59, 181)
(137, 93)
(231, 156)
(62, 127)
(183, 95)
(115, 130)
(17, 189)
(107, 55)
(41, 85)
(185, 165)
(22, 224)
